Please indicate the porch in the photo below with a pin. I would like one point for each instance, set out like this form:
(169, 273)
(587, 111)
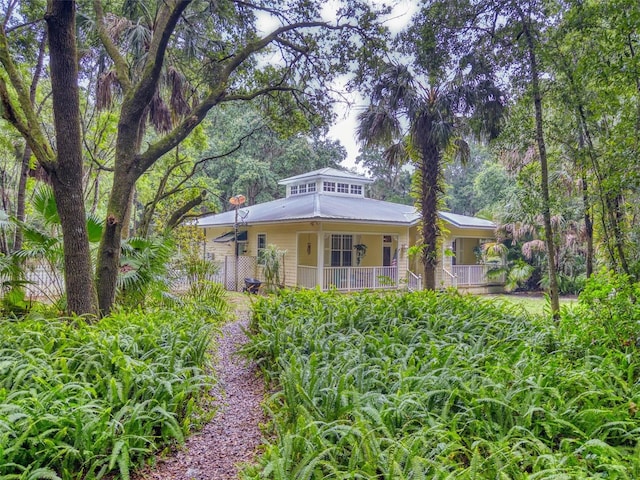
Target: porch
(349, 278)
(388, 278)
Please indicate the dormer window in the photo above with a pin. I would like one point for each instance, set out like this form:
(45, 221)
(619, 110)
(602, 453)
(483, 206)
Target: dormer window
(329, 186)
(343, 188)
(302, 188)
(356, 190)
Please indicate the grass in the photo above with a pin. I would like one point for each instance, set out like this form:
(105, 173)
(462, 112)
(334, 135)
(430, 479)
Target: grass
(534, 304)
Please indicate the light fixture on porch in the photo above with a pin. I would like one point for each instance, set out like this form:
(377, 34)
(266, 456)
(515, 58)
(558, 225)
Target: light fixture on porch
(236, 201)
(308, 244)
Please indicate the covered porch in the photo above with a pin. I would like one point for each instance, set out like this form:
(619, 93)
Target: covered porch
(351, 260)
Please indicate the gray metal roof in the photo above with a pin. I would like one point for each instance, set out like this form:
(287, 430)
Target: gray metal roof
(318, 206)
(326, 173)
(464, 221)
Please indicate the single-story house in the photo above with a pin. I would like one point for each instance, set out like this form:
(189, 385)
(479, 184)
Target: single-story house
(336, 237)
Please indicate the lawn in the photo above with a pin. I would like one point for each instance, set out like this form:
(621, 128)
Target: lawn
(534, 303)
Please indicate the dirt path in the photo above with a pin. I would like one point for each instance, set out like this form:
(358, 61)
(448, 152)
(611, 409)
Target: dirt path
(233, 435)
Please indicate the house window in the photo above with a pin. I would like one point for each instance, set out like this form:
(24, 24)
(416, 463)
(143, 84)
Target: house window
(341, 250)
(262, 244)
(294, 189)
(311, 187)
(302, 188)
(343, 188)
(356, 189)
(329, 186)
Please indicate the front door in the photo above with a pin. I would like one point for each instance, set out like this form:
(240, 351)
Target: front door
(386, 255)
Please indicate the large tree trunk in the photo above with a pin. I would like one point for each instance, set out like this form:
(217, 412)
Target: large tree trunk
(66, 177)
(430, 175)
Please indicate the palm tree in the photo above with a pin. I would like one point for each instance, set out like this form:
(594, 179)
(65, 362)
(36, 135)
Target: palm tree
(419, 124)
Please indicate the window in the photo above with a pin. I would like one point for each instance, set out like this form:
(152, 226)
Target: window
(343, 188)
(329, 186)
(302, 188)
(262, 244)
(294, 189)
(341, 250)
(311, 187)
(356, 189)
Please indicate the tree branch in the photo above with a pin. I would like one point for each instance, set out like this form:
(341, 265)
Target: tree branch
(141, 95)
(180, 213)
(122, 70)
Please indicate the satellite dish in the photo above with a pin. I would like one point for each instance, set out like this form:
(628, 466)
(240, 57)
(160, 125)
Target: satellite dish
(237, 200)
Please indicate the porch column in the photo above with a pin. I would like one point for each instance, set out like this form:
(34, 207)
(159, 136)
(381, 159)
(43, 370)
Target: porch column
(320, 258)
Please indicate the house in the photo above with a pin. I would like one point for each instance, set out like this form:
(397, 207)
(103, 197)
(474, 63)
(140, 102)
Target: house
(336, 237)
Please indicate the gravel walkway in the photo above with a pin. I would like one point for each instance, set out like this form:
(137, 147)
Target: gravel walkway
(233, 435)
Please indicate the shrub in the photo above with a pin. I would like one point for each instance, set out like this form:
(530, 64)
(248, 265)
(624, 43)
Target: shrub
(80, 401)
(426, 385)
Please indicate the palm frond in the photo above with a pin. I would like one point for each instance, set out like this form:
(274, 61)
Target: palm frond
(377, 127)
(44, 203)
(95, 227)
(397, 154)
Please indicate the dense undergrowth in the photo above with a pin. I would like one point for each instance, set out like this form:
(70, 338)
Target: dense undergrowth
(426, 385)
(83, 401)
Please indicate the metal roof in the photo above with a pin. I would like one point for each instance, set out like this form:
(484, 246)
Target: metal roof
(326, 173)
(318, 206)
(463, 221)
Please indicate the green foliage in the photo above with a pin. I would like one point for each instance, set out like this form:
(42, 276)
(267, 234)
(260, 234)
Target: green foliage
(271, 259)
(89, 401)
(608, 312)
(143, 265)
(426, 385)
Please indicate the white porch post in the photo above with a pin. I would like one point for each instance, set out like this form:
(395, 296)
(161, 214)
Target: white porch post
(320, 258)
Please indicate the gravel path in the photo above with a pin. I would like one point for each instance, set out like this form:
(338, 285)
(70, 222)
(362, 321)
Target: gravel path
(233, 435)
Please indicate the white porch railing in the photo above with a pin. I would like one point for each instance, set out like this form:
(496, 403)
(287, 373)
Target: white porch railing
(474, 275)
(307, 276)
(414, 282)
(349, 278)
(453, 278)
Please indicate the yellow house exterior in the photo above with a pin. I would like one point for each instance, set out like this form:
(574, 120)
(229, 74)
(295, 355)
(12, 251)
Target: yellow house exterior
(333, 236)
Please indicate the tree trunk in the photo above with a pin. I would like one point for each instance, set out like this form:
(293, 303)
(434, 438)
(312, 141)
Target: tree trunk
(588, 224)
(586, 204)
(66, 177)
(544, 167)
(430, 173)
(108, 262)
(21, 196)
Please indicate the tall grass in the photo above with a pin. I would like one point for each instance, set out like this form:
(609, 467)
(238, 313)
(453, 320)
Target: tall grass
(424, 385)
(81, 401)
